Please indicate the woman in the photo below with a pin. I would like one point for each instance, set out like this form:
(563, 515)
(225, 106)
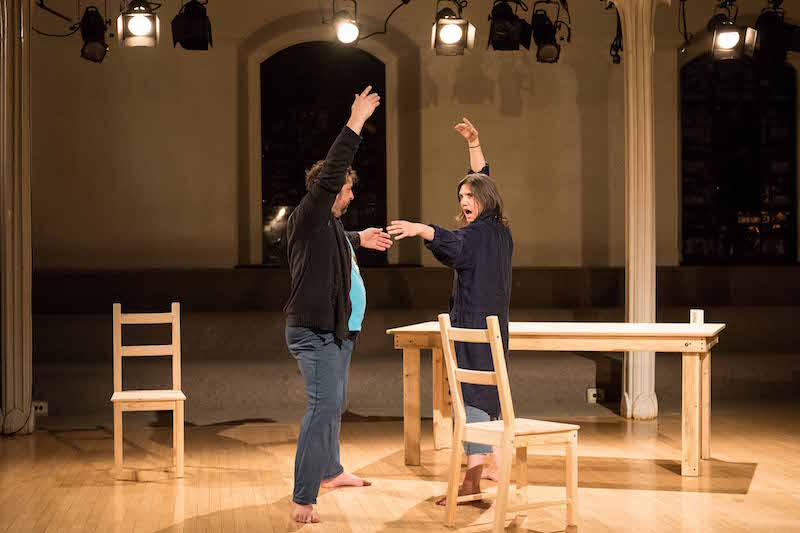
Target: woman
(480, 254)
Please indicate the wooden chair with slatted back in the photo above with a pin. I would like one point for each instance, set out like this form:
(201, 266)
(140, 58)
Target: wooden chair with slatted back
(509, 434)
(149, 400)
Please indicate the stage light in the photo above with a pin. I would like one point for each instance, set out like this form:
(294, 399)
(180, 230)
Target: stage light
(346, 29)
(734, 42)
(774, 35)
(93, 33)
(508, 31)
(191, 27)
(138, 25)
(545, 30)
(730, 40)
(345, 23)
(451, 34)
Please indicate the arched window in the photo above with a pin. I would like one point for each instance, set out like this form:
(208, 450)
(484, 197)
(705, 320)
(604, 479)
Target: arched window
(306, 93)
(739, 162)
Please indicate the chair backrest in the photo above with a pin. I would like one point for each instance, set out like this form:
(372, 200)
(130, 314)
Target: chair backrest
(173, 350)
(456, 376)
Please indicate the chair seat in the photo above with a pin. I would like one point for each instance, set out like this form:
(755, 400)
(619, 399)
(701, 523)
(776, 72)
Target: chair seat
(148, 396)
(525, 426)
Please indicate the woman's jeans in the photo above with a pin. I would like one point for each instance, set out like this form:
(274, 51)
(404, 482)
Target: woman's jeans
(476, 415)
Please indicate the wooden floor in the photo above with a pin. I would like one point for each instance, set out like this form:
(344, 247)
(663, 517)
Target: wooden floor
(239, 478)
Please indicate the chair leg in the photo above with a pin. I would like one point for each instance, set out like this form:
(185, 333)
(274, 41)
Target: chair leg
(179, 436)
(117, 437)
(175, 436)
(453, 475)
(572, 480)
(501, 503)
(522, 474)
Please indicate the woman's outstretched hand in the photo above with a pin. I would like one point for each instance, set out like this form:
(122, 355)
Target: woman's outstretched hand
(400, 229)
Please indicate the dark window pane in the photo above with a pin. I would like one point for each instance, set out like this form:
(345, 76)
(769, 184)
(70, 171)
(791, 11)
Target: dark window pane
(306, 94)
(739, 162)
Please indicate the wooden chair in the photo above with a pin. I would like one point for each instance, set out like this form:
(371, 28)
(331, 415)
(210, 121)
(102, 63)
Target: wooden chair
(509, 434)
(149, 400)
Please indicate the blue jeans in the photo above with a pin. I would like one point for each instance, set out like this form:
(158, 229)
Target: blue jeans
(324, 362)
(476, 415)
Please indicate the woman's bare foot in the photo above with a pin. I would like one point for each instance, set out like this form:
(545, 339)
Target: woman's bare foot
(303, 514)
(463, 490)
(492, 469)
(491, 474)
(345, 480)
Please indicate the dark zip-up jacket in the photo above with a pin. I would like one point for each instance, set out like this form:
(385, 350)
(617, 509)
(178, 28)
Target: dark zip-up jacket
(319, 258)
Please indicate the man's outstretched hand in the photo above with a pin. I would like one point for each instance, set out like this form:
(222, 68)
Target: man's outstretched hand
(363, 106)
(375, 239)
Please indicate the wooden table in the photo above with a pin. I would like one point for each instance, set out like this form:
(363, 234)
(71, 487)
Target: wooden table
(693, 340)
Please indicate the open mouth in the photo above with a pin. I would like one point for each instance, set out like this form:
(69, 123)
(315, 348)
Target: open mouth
(467, 212)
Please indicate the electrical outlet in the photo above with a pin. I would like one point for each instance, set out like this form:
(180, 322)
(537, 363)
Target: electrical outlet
(595, 395)
(40, 408)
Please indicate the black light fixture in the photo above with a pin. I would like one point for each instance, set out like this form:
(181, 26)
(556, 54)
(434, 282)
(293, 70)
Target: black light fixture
(451, 33)
(138, 24)
(508, 31)
(731, 41)
(93, 33)
(546, 30)
(93, 29)
(345, 23)
(191, 27)
(774, 35)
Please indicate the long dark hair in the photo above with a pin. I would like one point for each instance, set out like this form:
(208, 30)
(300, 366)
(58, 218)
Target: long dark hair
(485, 193)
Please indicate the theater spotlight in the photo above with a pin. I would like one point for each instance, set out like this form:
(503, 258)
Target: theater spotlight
(93, 33)
(508, 31)
(546, 30)
(730, 40)
(774, 35)
(345, 23)
(451, 34)
(191, 27)
(138, 25)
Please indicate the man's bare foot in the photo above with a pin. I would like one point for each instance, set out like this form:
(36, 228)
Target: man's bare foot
(303, 514)
(345, 480)
(463, 490)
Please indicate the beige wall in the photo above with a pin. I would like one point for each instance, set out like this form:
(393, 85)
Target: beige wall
(141, 162)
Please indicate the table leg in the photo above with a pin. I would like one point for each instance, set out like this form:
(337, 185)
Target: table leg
(442, 413)
(705, 406)
(411, 405)
(690, 419)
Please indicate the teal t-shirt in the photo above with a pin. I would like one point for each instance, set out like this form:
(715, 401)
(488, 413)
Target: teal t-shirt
(358, 294)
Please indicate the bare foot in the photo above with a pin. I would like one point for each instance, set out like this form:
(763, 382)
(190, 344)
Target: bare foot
(303, 514)
(491, 474)
(345, 480)
(463, 490)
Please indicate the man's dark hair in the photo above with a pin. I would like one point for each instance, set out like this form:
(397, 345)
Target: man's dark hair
(312, 174)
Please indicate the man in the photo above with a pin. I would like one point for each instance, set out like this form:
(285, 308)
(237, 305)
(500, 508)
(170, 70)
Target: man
(325, 309)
